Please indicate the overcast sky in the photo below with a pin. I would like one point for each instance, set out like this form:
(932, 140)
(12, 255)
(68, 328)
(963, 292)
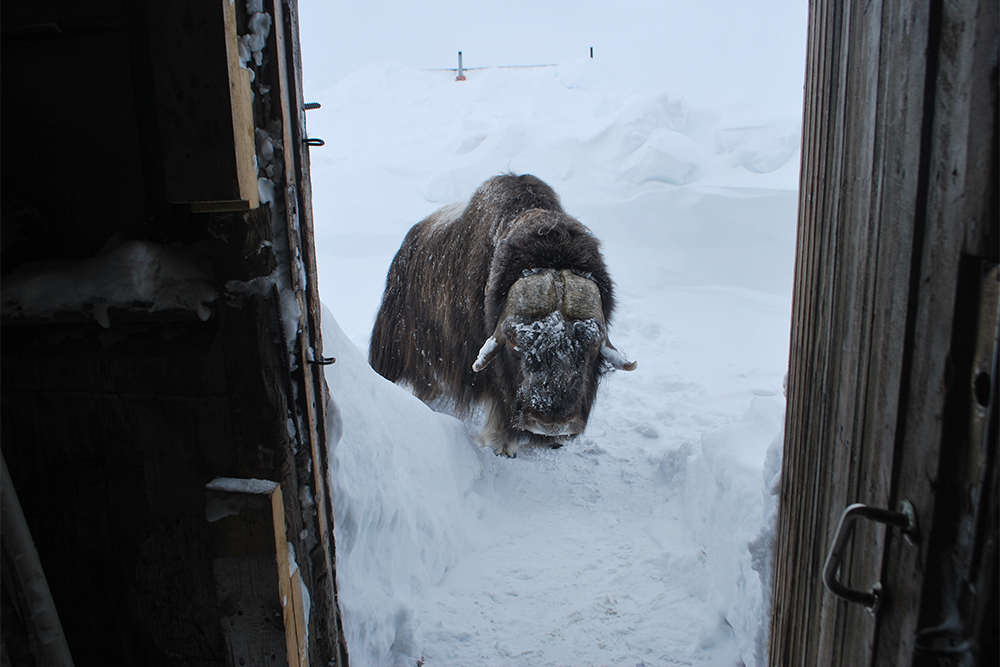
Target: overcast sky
(710, 51)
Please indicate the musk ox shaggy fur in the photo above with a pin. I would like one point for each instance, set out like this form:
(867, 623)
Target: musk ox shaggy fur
(504, 303)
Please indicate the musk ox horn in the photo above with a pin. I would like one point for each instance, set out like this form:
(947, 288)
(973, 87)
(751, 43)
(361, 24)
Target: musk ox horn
(487, 352)
(535, 295)
(582, 300)
(616, 358)
(543, 292)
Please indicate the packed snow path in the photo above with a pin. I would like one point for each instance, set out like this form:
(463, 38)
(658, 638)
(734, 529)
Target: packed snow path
(646, 540)
(628, 546)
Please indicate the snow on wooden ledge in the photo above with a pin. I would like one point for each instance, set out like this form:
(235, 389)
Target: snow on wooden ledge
(134, 275)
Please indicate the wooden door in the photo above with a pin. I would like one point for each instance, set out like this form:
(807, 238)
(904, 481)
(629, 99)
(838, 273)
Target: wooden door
(891, 396)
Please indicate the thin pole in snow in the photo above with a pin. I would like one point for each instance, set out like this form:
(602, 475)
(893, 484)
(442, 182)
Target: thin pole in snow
(591, 52)
(461, 76)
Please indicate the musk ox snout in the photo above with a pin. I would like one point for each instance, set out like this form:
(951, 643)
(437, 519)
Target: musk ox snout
(557, 363)
(504, 303)
(557, 430)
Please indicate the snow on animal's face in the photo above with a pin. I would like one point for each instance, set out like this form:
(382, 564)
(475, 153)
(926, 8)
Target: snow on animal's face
(551, 348)
(554, 360)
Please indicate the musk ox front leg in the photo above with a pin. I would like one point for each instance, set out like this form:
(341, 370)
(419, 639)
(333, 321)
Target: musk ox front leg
(506, 440)
(497, 432)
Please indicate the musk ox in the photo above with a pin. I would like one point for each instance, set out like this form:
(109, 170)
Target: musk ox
(510, 279)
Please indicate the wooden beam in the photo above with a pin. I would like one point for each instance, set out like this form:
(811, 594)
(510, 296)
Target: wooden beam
(298, 210)
(203, 106)
(260, 605)
(28, 582)
(301, 627)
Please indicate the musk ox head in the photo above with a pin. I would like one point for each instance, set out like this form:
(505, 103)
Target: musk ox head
(553, 345)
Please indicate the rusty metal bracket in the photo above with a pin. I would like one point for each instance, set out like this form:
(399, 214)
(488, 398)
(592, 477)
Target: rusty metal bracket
(904, 519)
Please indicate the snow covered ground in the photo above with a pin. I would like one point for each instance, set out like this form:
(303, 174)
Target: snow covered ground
(646, 540)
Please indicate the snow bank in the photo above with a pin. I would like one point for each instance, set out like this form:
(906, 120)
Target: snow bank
(729, 510)
(561, 121)
(402, 507)
(646, 541)
(383, 169)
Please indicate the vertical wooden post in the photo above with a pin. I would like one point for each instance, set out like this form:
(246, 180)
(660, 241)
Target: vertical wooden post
(325, 617)
(40, 616)
(898, 192)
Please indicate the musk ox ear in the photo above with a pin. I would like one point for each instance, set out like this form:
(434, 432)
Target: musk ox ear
(487, 352)
(616, 358)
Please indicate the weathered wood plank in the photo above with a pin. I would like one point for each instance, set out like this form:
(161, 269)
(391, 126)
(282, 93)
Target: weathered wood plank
(851, 315)
(831, 459)
(202, 103)
(250, 566)
(286, 70)
(888, 200)
(943, 231)
(796, 568)
(116, 432)
(981, 168)
(299, 612)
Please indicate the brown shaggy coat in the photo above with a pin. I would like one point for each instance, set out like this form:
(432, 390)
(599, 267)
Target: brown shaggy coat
(448, 284)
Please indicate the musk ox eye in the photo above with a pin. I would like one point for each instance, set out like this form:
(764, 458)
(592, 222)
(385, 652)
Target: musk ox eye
(510, 331)
(511, 340)
(588, 332)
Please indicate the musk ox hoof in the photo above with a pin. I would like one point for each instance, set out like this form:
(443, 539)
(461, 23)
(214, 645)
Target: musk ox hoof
(508, 449)
(549, 441)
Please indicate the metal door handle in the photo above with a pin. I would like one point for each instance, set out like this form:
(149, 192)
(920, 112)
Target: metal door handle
(904, 519)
